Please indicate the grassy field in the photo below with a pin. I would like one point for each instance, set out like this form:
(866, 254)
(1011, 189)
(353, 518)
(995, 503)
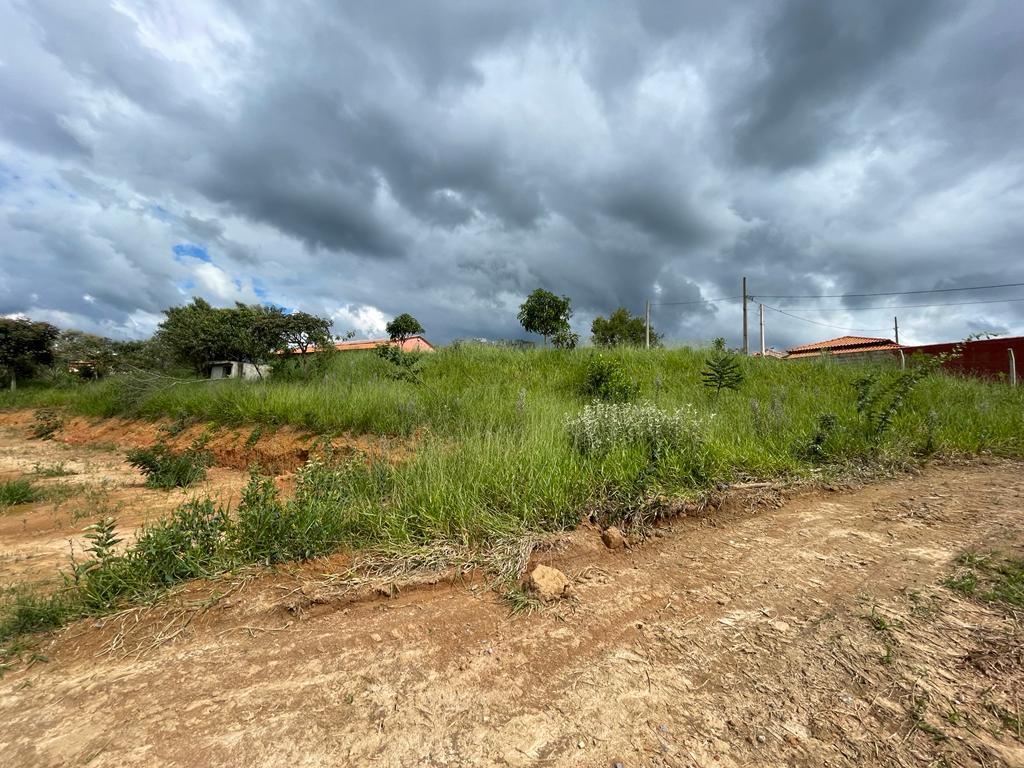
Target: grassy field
(509, 444)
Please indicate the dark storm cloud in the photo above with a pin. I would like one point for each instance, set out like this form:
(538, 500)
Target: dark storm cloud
(818, 59)
(446, 158)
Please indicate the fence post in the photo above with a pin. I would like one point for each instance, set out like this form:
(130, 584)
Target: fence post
(903, 361)
(1013, 367)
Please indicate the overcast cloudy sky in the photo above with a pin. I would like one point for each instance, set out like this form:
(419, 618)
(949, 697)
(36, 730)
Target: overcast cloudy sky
(363, 159)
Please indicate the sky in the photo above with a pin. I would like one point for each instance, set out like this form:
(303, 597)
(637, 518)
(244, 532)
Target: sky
(359, 160)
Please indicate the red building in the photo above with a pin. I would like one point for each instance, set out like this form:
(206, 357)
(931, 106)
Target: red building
(989, 358)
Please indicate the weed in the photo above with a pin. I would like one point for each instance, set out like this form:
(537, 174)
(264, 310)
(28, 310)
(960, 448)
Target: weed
(177, 426)
(166, 468)
(253, 438)
(404, 366)
(21, 491)
(60, 469)
(990, 578)
(602, 427)
(521, 601)
(880, 623)
(48, 421)
(605, 378)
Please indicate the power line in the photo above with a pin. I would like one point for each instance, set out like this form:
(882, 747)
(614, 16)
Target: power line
(889, 293)
(825, 325)
(898, 306)
(701, 301)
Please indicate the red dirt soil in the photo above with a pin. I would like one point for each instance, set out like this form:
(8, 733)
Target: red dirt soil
(813, 633)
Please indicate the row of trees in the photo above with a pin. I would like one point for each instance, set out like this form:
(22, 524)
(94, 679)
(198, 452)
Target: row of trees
(191, 336)
(546, 314)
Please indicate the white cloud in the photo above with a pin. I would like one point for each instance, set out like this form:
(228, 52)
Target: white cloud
(366, 321)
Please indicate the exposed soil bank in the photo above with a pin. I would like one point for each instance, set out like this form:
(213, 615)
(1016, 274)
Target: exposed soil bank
(742, 640)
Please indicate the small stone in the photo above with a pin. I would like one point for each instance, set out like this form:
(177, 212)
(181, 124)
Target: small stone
(580, 744)
(760, 738)
(549, 583)
(618, 764)
(613, 538)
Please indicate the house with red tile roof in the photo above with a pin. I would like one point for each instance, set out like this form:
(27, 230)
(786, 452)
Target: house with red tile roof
(847, 348)
(411, 344)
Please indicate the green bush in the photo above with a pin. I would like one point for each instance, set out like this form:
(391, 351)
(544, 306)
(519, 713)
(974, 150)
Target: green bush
(166, 468)
(605, 378)
(19, 491)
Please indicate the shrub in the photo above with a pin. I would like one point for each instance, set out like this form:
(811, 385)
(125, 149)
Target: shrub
(17, 492)
(605, 379)
(602, 427)
(405, 366)
(47, 422)
(165, 468)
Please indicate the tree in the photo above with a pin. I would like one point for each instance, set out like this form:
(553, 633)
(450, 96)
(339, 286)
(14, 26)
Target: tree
(722, 372)
(24, 346)
(402, 327)
(545, 313)
(198, 333)
(88, 355)
(621, 329)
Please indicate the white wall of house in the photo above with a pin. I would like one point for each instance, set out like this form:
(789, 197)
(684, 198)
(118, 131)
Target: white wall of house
(235, 369)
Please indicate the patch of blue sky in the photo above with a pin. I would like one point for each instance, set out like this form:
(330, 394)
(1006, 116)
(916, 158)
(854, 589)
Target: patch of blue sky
(190, 250)
(161, 213)
(258, 288)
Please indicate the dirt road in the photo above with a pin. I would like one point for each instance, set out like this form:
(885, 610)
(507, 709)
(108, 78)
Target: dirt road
(817, 633)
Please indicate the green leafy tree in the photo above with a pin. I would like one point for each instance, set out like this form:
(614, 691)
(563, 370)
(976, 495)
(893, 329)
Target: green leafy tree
(402, 327)
(198, 333)
(722, 372)
(24, 347)
(545, 313)
(621, 329)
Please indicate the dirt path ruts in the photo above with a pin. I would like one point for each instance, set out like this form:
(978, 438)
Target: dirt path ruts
(752, 642)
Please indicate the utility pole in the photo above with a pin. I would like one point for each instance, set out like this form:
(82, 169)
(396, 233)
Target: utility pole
(746, 341)
(760, 309)
(896, 328)
(647, 324)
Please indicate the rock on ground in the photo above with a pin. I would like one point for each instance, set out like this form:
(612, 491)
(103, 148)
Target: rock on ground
(549, 583)
(613, 538)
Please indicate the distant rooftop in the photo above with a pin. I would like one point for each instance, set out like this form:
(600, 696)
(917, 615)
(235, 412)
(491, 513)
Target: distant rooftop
(842, 345)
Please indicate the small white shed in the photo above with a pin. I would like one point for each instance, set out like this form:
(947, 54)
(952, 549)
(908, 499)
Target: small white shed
(236, 369)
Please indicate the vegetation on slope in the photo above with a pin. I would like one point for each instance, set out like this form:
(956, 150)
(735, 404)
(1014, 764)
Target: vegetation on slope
(510, 443)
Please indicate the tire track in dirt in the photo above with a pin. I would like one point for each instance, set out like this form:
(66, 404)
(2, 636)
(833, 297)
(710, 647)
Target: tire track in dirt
(746, 641)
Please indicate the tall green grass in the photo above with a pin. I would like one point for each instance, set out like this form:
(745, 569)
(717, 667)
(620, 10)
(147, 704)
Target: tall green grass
(495, 455)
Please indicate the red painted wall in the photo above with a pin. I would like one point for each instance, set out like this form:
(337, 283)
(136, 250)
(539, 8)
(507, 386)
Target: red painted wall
(985, 357)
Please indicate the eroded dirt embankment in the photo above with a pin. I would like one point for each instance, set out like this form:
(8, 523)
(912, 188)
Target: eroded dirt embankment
(83, 475)
(815, 633)
(276, 450)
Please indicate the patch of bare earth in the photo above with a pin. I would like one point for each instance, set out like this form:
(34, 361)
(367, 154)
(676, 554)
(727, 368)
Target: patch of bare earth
(36, 539)
(815, 633)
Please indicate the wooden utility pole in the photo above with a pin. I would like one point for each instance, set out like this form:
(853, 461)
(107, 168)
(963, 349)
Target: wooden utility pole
(647, 324)
(760, 309)
(896, 328)
(746, 341)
